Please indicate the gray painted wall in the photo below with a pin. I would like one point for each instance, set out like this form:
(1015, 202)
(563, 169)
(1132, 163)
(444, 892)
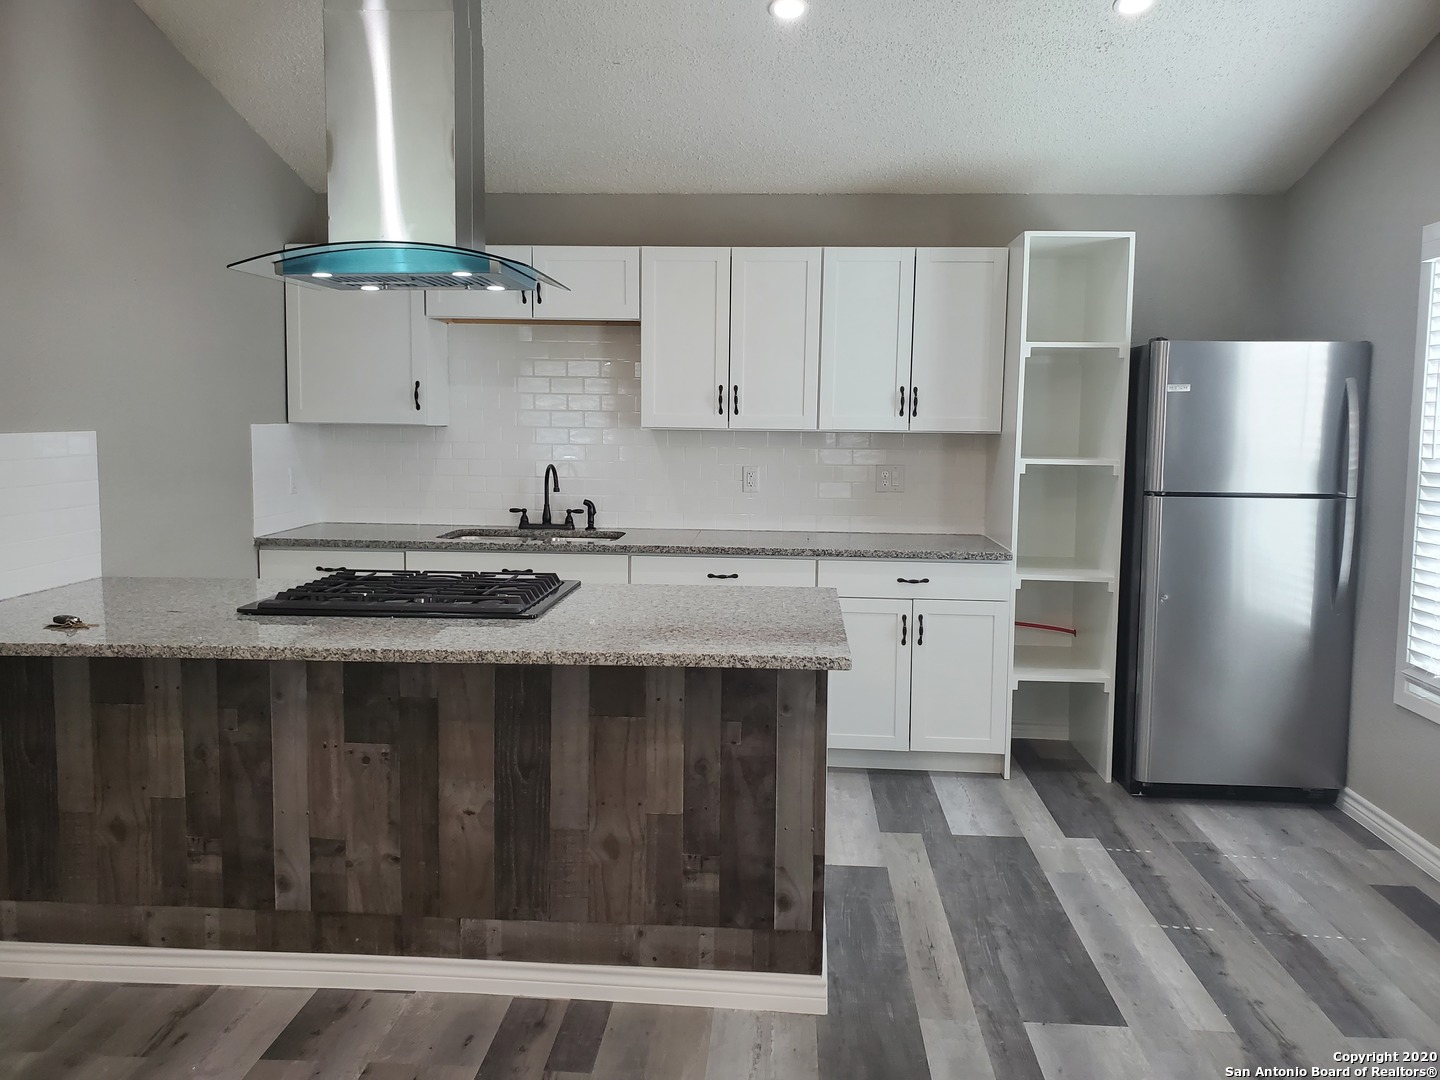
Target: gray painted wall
(1206, 266)
(126, 185)
(1353, 272)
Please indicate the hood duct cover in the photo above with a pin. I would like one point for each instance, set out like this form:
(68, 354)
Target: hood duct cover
(404, 118)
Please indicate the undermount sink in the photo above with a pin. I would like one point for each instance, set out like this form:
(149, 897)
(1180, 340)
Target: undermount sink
(541, 535)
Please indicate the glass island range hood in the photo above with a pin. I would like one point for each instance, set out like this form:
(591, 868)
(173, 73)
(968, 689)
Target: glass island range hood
(404, 118)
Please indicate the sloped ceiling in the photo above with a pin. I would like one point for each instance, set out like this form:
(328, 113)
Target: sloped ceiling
(1056, 96)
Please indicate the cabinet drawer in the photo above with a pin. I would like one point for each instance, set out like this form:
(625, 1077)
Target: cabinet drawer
(597, 569)
(694, 570)
(298, 565)
(910, 579)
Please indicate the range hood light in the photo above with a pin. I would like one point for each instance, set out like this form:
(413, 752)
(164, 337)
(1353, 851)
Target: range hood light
(369, 288)
(322, 274)
(495, 288)
(461, 273)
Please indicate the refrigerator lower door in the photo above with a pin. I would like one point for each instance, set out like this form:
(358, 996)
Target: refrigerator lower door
(1245, 642)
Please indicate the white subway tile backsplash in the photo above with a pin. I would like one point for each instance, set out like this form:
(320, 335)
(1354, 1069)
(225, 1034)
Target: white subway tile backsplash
(49, 510)
(526, 397)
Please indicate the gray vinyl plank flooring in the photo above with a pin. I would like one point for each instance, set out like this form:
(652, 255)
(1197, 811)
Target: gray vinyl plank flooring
(1045, 927)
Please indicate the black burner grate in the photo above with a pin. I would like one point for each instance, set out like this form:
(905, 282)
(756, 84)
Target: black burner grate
(517, 594)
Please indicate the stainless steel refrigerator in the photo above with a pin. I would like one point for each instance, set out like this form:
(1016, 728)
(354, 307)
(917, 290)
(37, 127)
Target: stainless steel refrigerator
(1238, 567)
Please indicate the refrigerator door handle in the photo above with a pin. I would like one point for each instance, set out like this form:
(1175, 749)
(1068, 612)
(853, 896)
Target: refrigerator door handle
(1347, 548)
(1150, 600)
(1159, 403)
(1352, 437)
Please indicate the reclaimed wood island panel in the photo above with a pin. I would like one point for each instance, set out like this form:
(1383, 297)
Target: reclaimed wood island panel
(617, 813)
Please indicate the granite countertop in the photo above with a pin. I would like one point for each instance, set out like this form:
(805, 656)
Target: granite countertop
(959, 547)
(623, 625)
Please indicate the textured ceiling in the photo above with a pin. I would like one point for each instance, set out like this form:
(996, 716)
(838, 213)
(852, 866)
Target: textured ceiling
(1198, 96)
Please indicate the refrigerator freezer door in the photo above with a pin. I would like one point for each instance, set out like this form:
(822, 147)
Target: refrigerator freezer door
(1245, 643)
(1260, 417)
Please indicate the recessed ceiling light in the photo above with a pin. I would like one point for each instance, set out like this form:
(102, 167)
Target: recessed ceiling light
(461, 273)
(788, 10)
(322, 273)
(1131, 8)
(495, 288)
(369, 288)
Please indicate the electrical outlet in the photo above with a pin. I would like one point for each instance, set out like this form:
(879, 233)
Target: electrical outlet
(890, 478)
(749, 479)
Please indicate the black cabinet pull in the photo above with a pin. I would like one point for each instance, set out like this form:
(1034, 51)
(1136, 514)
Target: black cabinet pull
(913, 580)
(914, 400)
(919, 629)
(524, 297)
(723, 577)
(720, 401)
(735, 400)
(902, 401)
(527, 571)
(902, 629)
(417, 395)
(539, 299)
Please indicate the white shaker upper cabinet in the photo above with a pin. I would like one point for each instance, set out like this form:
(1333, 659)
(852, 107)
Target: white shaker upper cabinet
(867, 311)
(603, 283)
(685, 337)
(364, 358)
(478, 303)
(958, 368)
(775, 338)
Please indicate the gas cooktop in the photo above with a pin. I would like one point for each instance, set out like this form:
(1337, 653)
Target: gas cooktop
(507, 594)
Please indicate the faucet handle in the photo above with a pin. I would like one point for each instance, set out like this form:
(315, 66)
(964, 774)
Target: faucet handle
(570, 517)
(524, 515)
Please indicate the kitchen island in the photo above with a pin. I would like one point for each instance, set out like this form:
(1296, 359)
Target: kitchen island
(633, 780)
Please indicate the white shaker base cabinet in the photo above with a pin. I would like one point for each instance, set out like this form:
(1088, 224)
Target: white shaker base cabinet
(959, 667)
(869, 705)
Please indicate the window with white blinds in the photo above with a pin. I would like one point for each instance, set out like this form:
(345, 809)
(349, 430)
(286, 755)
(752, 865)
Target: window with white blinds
(1421, 665)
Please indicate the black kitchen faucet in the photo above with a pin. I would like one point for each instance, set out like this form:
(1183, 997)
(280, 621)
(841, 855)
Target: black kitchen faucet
(552, 475)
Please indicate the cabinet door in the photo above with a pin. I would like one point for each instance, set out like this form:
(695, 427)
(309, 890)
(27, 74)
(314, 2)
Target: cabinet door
(477, 303)
(685, 337)
(597, 569)
(364, 358)
(775, 338)
(960, 676)
(867, 311)
(870, 704)
(603, 283)
(957, 370)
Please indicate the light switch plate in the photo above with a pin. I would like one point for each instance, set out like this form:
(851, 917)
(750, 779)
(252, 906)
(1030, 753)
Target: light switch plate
(890, 478)
(750, 479)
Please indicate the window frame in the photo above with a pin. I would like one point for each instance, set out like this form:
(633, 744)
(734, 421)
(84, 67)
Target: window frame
(1410, 694)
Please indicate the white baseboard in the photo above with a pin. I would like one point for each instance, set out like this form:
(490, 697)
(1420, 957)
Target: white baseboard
(916, 760)
(1393, 831)
(758, 991)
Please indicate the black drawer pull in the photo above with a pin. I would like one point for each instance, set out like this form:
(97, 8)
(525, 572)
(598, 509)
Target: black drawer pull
(913, 580)
(722, 577)
(902, 629)
(526, 571)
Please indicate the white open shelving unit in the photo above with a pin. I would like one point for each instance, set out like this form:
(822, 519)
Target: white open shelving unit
(1059, 478)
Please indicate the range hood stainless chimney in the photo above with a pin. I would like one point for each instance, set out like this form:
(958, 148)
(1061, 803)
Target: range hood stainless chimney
(404, 117)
